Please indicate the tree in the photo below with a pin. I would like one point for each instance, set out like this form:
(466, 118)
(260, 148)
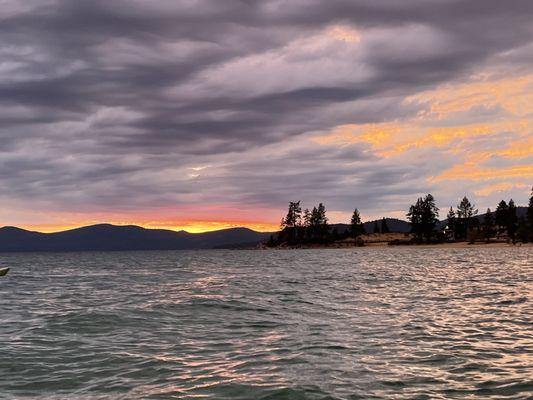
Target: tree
(423, 216)
(319, 222)
(502, 213)
(465, 212)
(376, 227)
(488, 223)
(307, 222)
(512, 221)
(292, 219)
(530, 217)
(307, 217)
(430, 216)
(356, 226)
(452, 221)
(415, 218)
(384, 226)
(465, 209)
(322, 220)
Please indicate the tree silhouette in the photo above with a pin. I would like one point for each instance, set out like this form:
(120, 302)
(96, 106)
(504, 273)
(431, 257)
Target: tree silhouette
(307, 223)
(488, 223)
(423, 216)
(512, 221)
(356, 226)
(322, 221)
(502, 213)
(465, 212)
(376, 227)
(293, 219)
(319, 222)
(530, 217)
(452, 221)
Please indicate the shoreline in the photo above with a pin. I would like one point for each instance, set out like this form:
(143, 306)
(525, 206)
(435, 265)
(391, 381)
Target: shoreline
(458, 245)
(401, 240)
(381, 245)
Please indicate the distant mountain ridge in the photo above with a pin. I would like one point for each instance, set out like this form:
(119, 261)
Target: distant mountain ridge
(107, 237)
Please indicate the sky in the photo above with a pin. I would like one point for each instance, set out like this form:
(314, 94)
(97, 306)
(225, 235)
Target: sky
(208, 114)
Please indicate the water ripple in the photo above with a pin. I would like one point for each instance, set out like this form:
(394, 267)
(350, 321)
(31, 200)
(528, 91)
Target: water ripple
(304, 324)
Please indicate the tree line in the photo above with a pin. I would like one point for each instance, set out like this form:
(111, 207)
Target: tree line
(462, 223)
(312, 226)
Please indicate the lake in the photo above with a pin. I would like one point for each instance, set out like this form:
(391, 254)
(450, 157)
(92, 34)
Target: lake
(388, 323)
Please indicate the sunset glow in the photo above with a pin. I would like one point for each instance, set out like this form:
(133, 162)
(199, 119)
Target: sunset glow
(188, 226)
(222, 127)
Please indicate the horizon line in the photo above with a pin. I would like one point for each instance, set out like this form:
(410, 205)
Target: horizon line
(148, 227)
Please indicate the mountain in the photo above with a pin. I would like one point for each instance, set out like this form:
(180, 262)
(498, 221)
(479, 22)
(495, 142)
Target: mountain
(105, 237)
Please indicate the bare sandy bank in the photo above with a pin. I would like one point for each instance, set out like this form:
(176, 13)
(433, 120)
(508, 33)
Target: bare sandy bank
(382, 245)
(457, 245)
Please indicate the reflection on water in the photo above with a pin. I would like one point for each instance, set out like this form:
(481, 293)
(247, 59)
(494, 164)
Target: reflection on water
(310, 324)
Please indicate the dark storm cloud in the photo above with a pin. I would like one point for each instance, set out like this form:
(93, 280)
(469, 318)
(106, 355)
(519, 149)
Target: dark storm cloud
(103, 99)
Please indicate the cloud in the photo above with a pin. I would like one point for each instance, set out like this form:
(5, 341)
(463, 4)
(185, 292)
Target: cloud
(110, 106)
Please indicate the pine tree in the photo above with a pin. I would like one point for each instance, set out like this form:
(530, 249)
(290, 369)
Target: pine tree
(322, 214)
(501, 216)
(292, 219)
(512, 221)
(452, 221)
(429, 216)
(414, 215)
(319, 222)
(307, 223)
(376, 227)
(384, 226)
(314, 222)
(465, 212)
(356, 226)
(323, 221)
(530, 217)
(423, 216)
(465, 209)
(307, 217)
(488, 223)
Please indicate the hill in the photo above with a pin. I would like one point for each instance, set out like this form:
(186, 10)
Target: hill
(104, 237)
(394, 224)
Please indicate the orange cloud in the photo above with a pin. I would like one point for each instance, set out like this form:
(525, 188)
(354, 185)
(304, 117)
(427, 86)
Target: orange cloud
(469, 171)
(439, 127)
(501, 187)
(514, 95)
(518, 149)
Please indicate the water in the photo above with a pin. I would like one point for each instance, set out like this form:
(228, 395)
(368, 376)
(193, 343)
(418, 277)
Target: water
(311, 324)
